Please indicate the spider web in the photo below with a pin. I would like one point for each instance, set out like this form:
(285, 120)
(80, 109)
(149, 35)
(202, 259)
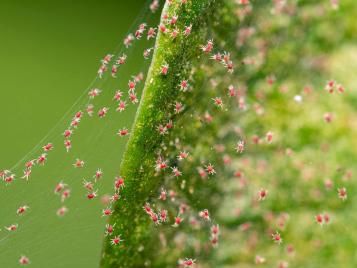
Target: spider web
(75, 239)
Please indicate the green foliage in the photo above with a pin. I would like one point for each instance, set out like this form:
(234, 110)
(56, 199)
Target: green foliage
(141, 182)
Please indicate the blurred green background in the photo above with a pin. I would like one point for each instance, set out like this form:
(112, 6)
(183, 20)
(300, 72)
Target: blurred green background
(50, 53)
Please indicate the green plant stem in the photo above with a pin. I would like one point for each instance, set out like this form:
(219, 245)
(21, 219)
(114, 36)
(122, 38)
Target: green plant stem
(137, 167)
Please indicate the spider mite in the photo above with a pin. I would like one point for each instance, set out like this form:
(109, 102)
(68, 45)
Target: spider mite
(207, 117)
(187, 30)
(48, 147)
(79, 163)
(178, 221)
(68, 145)
(327, 218)
(12, 227)
(277, 238)
(139, 32)
(88, 185)
(116, 240)
(164, 69)
(214, 241)
(172, 195)
(147, 53)
(24, 260)
(109, 229)
(270, 80)
(163, 29)
(319, 219)
(161, 164)
(114, 71)
(163, 215)
(107, 59)
(121, 60)
(163, 194)
(9, 178)
(121, 106)
(90, 109)
(103, 112)
(218, 102)
(107, 212)
(102, 69)
(119, 183)
(202, 172)
(328, 117)
(342, 193)
(75, 122)
(215, 230)
(208, 47)
(41, 160)
(28, 165)
(92, 195)
(21, 210)
(184, 85)
(187, 263)
(67, 133)
(118, 95)
(204, 214)
(232, 91)
(240, 146)
(340, 89)
(262, 194)
(210, 169)
(94, 93)
(151, 33)
(173, 19)
(123, 132)
(148, 209)
(241, 103)
(176, 172)
(154, 6)
(27, 174)
(131, 85)
(169, 124)
(62, 211)
(217, 57)
(183, 208)
(155, 218)
(330, 86)
(98, 174)
(114, 197)
(128, 40)
(269, 137)
(230, 66)
(65, 194)
(178, 107)
(182, 155)
(175, 32)
(139, 77)
(59, 187)
(133, 98)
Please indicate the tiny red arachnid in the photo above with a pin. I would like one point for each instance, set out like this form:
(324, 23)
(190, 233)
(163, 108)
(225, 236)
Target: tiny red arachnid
(262, 194)
(210, 169)
(277, 238)
(24, 260)
(204, 214)
(116, 240)
(22, 209)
